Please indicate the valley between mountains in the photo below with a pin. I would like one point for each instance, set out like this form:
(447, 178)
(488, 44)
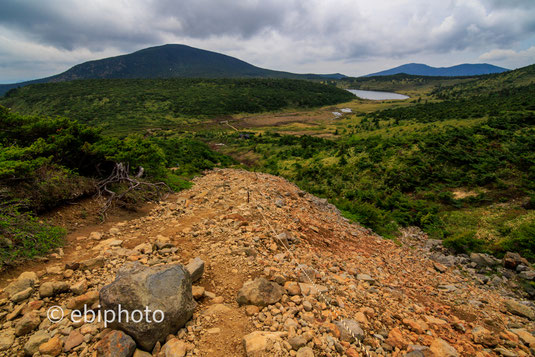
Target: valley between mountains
(320, 270)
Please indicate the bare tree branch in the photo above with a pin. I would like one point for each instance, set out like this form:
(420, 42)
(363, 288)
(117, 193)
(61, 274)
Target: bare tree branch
(119, 175)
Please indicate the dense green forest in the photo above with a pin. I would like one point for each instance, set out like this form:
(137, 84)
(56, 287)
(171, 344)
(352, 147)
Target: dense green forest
(127, 105)
(516, 99)
(45, 162)
(401, 82)
(485, 85)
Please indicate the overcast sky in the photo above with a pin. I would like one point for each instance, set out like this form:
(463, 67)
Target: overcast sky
(39, 38)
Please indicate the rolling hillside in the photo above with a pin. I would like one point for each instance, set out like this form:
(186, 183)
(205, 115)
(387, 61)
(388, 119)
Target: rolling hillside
(521, 77)
(168, 61)
(130, 104)
(465, 69)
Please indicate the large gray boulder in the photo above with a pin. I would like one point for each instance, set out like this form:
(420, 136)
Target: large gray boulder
(484, 260)
(166, 288)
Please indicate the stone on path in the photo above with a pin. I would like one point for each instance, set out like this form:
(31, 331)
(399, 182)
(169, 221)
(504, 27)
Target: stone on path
(440, 348)
(116, 344)
(166, 288)
(349, 330)
(262, 343)
(35, 340)
(52, 347)
(174, 348)
(260, 292)
(195, 268)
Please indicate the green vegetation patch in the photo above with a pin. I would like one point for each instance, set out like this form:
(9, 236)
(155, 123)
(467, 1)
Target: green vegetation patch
(45, 162)
(23, 236)
(128, 105)
(411, 166)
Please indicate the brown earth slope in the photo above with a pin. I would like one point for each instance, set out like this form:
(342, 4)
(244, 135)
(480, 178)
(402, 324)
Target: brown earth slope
(246, 225)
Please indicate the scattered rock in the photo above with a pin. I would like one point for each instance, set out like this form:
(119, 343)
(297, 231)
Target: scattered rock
(260, 292)
(6, 339)
(21, 295)
(439, 267)
(79, 287)
(519, 309)
(197, 292)
(440, 348)
(217, 309)
(196, 269)
(52, 288)
(524, 336)
(27, 323)
(483, 336)
(262, 343)
(81, 301)
(505, 352)
(527, 274)
(37, 339)
(174, 348)
(305, 352)
(116, 344)
(333, 252)
(74, 339)
(396, 339)
(512, 260)
(366, 278)
(349, 330)
(140, 353)
(292, 288)
(144, 248)
(52, 347)
(93, 263)
(56, 270)
(484, 260)
(297, 342)
(24, 281)
(312, 289)
(251, 310)
(95, 235)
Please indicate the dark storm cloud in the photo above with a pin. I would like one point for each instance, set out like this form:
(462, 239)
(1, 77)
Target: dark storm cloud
(203, 18)
(508, 4)
(70, 25)
(285, 34)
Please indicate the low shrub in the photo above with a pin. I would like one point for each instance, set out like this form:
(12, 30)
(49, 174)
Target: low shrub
(23, 236)
(464, 242)
(521, 240)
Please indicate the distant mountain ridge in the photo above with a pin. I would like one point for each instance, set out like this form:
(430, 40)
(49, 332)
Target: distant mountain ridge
(168, 61)
(420, 69)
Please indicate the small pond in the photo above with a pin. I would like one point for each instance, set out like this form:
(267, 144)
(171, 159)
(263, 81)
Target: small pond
(376, 95)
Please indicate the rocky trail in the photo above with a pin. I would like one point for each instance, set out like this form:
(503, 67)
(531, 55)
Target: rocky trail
(275, 272)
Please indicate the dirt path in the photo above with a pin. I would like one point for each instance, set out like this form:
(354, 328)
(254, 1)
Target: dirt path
(244, 226)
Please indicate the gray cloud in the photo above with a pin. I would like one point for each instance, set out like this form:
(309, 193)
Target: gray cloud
(289, 35)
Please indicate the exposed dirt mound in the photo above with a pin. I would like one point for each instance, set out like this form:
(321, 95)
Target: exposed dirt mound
(391, 298)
